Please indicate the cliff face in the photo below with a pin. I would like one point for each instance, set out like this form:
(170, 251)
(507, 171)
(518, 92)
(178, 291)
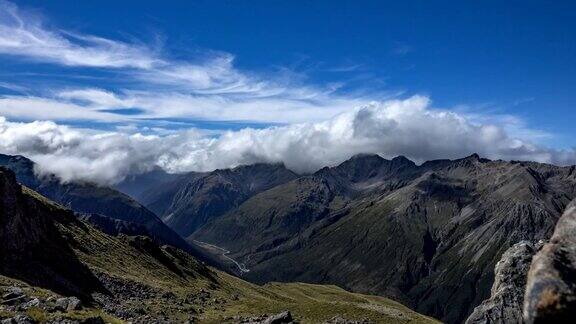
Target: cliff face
(32, 248)
(551, 287)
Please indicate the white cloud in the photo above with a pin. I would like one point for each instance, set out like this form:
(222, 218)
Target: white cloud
(22, 107)
(212, 107)
(25, 36)
(409, 127)
(208, 88)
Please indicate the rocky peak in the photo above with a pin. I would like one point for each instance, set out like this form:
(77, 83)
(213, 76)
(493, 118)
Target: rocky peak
(402, 160)
(360, 167)
(471, 161)
(8, 182)
(473, 156)
(21, 166)
(366, 157)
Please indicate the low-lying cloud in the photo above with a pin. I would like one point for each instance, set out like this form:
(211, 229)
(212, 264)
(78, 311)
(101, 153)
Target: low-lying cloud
(409, 127)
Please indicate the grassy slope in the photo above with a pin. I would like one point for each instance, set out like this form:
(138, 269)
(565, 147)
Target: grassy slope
(183, 276)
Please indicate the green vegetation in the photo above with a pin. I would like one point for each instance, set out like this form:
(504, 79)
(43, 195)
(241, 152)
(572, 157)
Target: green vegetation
(213, 296)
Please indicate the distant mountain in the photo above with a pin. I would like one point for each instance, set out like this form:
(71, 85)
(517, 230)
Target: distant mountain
(187, 202)
(159, 196)
(48, 257)
(137, 185)
(428, 235)
(93, 199)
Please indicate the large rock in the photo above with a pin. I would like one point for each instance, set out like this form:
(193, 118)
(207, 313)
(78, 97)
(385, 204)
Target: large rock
(507, 295)
(551, 287)
(284, 317)
(68, 304)
(19, 319)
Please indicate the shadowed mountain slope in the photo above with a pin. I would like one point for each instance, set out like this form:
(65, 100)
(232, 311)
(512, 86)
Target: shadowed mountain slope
(31, 247)
(90, 198)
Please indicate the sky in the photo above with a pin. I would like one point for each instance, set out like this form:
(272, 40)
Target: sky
(97, 90)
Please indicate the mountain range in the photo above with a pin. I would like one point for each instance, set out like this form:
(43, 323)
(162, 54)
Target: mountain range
(427, 235)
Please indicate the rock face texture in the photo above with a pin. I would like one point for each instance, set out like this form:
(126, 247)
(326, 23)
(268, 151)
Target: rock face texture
(427, 235)
(551, 288)
(507, 295)
(32, 248)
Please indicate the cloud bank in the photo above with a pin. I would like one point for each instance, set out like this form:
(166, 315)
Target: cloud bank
(408, 127)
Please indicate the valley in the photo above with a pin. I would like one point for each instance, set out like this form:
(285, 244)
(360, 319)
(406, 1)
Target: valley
(222, 254)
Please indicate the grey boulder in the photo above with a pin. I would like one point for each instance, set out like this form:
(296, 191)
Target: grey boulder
(551, 285)
(507, 294)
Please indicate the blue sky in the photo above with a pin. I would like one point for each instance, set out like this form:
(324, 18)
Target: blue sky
(156, 67)
(516, 57)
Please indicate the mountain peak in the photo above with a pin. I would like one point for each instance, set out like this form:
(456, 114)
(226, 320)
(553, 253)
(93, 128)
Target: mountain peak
(402, 160)
(362, 161)
(473, 156)
(366, 156)
(260, 166)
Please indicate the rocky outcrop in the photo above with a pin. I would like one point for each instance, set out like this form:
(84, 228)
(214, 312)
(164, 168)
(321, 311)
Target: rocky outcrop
(551, 287)
(23, 304)
(507, 295)
(280, 318)
(341, 320)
